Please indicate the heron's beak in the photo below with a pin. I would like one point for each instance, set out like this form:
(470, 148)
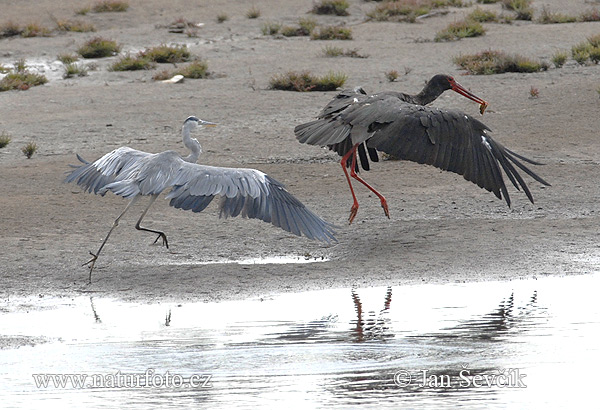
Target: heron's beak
(208, 124)
(463, 91)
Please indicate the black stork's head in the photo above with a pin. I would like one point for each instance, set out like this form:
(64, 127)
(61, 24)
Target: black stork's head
(440, 83)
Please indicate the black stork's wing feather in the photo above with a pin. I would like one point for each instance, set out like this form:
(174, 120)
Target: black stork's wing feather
(446, 139)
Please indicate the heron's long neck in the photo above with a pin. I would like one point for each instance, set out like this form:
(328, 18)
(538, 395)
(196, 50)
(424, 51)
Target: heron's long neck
(192, 144)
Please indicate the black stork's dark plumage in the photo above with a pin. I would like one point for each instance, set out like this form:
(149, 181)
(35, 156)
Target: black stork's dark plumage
(356, 124)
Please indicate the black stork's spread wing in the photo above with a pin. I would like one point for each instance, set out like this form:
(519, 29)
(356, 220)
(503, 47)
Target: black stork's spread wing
(390, 122)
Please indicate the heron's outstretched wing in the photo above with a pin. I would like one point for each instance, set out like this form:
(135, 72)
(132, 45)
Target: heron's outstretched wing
(447, 139)
(116, 165)
(248, 192)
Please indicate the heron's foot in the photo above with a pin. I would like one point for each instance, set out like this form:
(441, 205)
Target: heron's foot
(353, 212)
(91, 264)
(384, 205)
(162, 235)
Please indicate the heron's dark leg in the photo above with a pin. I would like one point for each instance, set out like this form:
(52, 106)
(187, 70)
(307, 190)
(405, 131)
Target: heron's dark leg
(344, 162)
(354, 175)
(160, 234)
(92, 261)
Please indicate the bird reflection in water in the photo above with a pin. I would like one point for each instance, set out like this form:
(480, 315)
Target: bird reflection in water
(374, 326)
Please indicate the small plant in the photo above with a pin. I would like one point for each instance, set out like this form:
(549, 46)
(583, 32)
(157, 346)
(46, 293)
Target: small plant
(332, 51)
(392, 75)
(269, 28)
(305, 27)
(336, 7)
(67, 58)
(132, 63)
(83, 11)
(495, 62)
(99, 47)
(29, 149)
(253, 13)
(19, 78)
(590, 15)
(408, 10)
(195, 69)
(460, 29)
(487, 1)
(105, 6)
(4, 139)
(483, 16)
(35, 30)
(305, 81)
(166, 54)
(549, 17)
(331, 33)
(76, 26)
(10, 29)
(222, 17)
(534, 92)
(559, 59)
(588, 50)
(73, 69)
(522, 8)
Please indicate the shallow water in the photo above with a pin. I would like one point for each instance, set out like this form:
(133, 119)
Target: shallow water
(518, 344)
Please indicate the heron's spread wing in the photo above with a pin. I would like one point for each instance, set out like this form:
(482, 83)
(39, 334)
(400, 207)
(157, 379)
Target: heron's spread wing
(248, 192)
(117, 165)
(447, 139)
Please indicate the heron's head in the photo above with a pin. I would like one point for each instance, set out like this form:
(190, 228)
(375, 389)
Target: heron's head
(195, 122)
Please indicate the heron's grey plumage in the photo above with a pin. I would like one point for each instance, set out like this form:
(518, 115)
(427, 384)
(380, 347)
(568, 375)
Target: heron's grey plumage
(392, 123)
(247, 192)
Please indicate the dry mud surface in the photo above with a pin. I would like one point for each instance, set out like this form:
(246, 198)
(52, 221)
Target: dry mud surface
(442, 229)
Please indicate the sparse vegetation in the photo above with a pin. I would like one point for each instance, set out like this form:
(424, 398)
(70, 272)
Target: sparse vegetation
(549, 17)
(331, 33)
(105, 6)
(99, 47)
(132, 63)
(10, 29)
(534, 92)
(29, 149)
(587, 51)
(335, 7)
(483, 16)
(460, 29)
(559, 59)
(408, 10)
(166, 54)
(19, 78)
(487, 1)
(270, 28)
(305, 81)
(392, 75)
(4, 139)
(74, 69)
(35, 30)
(590, 15)
(253, 12)
(67, 58)
(522, 8)
(195, 69)
(83, 11)
(222, 17)
(77, 26)
(333, 51)
(304, 28)
(495, 62)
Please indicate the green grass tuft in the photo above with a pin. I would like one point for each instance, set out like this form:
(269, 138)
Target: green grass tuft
(483, 16)
(549, 17)
(559, 59)
(496, 62)
(105, 6)
(333, 51)
(331, 33)
(335, 7)
(76, 26)
(99, 47)
(305, 81)
(270, 28)
(253, 13)
(132, 63)
(73, 69)
(4, 139)
(29, 149)
(222, 17)
(19, 78)
(460, 29)
(196, 69)
(166, 54)
(522, 8)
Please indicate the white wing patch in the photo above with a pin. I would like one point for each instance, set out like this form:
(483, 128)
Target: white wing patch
(485, 142)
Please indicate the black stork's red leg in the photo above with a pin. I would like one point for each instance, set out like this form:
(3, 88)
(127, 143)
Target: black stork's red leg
(344, 161)
(354, 175)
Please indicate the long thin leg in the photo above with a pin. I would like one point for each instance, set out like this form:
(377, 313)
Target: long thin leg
(160, 234)
(92, 261)
(344, 161)
(354, 175)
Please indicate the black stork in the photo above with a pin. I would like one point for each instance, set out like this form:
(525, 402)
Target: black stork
(357, 124)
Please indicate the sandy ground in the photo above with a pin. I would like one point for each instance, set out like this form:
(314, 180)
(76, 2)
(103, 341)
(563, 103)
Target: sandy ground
(442, 229)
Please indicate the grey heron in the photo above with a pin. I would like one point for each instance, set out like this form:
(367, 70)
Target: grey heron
(253, 194)
(355, 123)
